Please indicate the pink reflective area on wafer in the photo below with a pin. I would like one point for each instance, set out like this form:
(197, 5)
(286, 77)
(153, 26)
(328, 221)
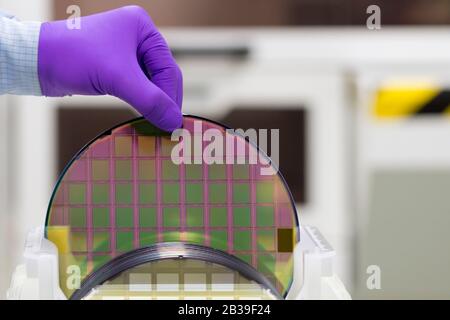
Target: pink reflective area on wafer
(123, 192)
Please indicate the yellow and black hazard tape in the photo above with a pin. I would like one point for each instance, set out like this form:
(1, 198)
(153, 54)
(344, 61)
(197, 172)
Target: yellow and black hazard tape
(406, 101)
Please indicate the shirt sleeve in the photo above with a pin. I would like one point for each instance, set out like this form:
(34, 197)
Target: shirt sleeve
(18, 56)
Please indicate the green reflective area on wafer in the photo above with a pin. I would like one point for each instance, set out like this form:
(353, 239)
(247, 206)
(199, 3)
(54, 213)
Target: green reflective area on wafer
(124, 191)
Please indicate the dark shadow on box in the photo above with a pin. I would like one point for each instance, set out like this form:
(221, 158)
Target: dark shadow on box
(292, 125)
(79, 125)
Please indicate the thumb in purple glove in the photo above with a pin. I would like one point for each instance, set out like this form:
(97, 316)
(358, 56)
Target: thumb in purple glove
(112, 53)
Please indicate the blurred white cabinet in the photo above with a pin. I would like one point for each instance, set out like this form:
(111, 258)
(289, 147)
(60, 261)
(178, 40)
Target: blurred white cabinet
(402, 186)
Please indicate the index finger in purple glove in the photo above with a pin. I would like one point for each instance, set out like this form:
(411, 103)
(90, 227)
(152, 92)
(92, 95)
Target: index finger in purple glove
(155, 55)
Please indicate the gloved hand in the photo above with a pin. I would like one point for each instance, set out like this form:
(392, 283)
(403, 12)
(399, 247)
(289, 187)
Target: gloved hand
(118, 52)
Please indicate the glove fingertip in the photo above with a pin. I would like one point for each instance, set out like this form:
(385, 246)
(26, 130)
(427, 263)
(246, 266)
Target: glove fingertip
(169, 121)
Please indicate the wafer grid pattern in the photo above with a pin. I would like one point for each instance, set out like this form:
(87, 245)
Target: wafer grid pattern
(179, 280)
(124, 192)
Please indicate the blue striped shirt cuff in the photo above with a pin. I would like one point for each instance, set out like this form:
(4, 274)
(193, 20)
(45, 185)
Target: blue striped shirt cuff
(19, 57)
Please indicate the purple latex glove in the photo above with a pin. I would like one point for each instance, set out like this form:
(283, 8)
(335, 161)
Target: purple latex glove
(112, 53)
